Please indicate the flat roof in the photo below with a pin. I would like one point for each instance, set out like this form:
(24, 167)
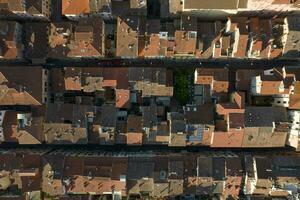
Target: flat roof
(211, 4)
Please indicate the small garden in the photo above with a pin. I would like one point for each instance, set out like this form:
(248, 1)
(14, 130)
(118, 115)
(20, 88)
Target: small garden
(182, 80)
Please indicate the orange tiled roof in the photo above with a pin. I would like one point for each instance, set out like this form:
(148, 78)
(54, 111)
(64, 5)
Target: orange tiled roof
(134, 138)
(153, 46)
(270, 87)
(122, 98)
(127, 37)
(109, 83)
(297, 87)
(75, 7)
(233, 185)
(276, 53)
(294, 102)
(97, 185)
(184, 44)
(233, 138)
(242, 46)
(207, 80)
(216, 74)
(10, 96)
(72, 83)
(220, 86)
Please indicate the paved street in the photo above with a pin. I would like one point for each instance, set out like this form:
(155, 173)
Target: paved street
(149, 148)
(168, 63)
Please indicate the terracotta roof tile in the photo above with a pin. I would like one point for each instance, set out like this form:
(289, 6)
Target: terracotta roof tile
(10, 43)
(18, 78)
(134, 138)
(75, 7)
(263, 137)
(127, 37)
(184, 44)
(120, 74)
(134, 124)
(97, 185)
(297, 87)
(58, 133)
(243, 78)
(152, 47)
(9, 96)
(232, 138)
(13, 5)
(109, 83)
(270, 87)
(242, 46)
(294, 102)
(73, 83)
(122, 98)
(10, 126)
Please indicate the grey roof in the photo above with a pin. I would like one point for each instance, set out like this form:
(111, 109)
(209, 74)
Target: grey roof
(293, 43)
(204, 167)
(175, 169)
(218, 188)
(178, 126)
(108, 115)
(34, 44)
(149, 115)
(219, 168)
(264, 116)
(153, 75)
(100, 6)
(282, 161)
(201, 114)
(69, 113)
(139, 168)
(177, 122)
(286, 166)
(263, 167)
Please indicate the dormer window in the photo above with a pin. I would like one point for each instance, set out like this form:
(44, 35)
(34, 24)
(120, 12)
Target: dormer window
(130, 46)
(163, 35)
(192, 34)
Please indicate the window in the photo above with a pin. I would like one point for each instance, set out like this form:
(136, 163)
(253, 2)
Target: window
(218, 44)
(163, 35)
(192, 34)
